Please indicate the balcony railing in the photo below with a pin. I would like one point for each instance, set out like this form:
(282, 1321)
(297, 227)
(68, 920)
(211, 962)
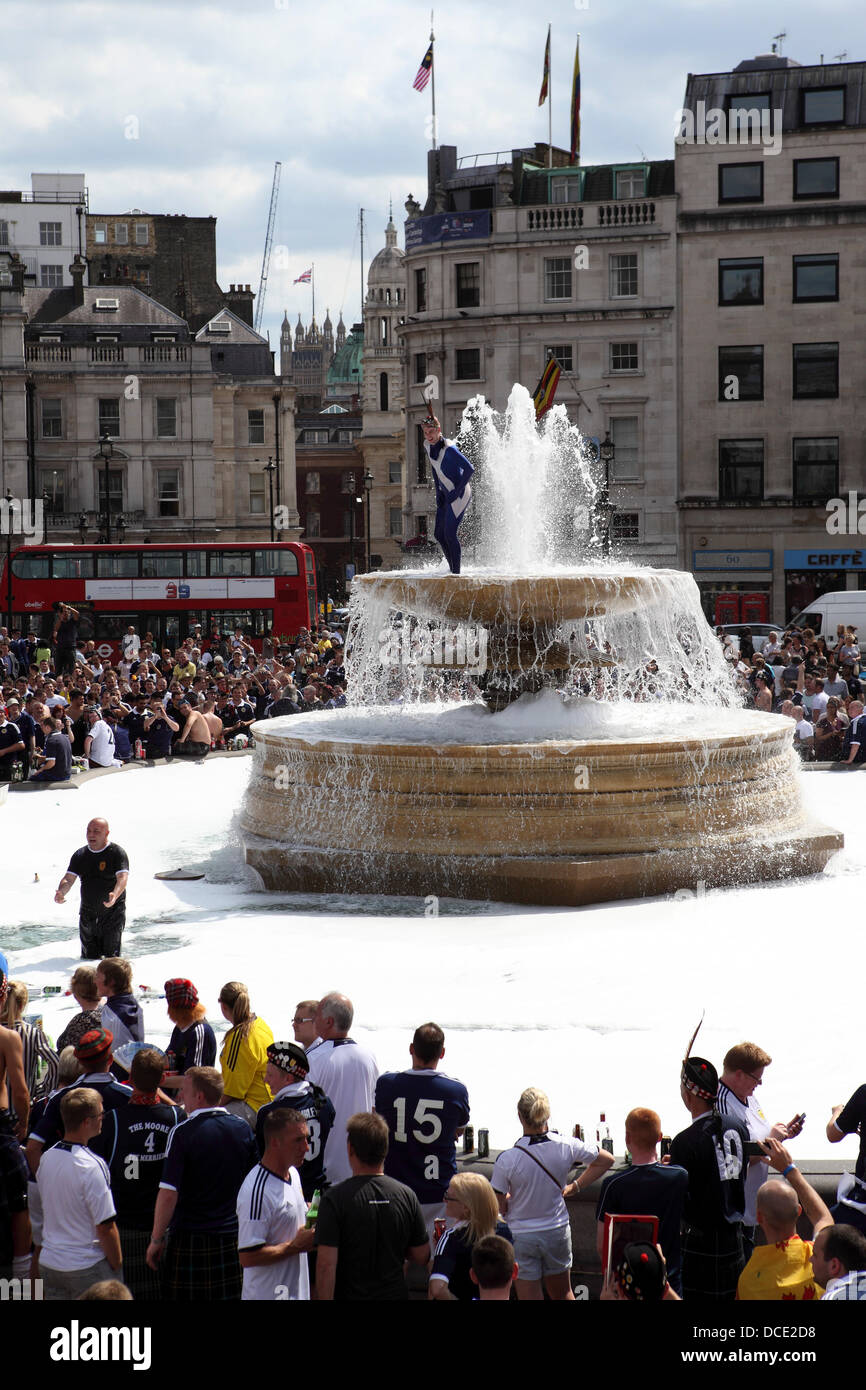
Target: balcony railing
(47, 352)
(555, 217)
(162, 352)
(640, 214)
(102, 354)
(571, 217)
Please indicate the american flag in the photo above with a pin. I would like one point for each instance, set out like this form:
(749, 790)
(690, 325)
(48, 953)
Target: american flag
(422, 76)
(305, 278)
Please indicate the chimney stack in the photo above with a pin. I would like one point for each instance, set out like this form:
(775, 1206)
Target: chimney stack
(77, 270)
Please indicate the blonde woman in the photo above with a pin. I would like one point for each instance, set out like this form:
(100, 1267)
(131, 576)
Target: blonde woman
(531, 1180)
(471, 1203)
(35, 1045)
(244, 1054)
(82, 987)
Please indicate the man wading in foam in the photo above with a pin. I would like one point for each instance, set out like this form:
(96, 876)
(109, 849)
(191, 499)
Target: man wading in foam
(451, 473)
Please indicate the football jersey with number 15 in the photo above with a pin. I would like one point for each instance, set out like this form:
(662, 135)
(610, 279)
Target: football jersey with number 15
(423, 1110)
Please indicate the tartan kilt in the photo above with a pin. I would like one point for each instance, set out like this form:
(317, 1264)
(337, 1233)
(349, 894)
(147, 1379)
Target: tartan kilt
(201, 1267)
(144, 1283)
(13, 1167)
(712, 1262)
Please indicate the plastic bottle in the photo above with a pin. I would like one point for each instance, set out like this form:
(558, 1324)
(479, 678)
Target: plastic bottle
(313, 1210)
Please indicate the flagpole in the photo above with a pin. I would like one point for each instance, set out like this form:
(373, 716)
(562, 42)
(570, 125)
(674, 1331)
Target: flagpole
(433, 78)
(550, 105)
(313, 286)
(578, 113)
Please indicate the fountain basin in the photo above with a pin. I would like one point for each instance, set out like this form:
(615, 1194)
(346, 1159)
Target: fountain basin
(381, 801)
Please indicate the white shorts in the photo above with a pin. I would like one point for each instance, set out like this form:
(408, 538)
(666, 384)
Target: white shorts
(539, 1253)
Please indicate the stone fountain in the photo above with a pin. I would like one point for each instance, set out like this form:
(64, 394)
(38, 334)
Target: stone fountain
(526, 731)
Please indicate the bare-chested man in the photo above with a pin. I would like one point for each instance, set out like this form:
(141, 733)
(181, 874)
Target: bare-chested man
(194, 742)
(213, 721)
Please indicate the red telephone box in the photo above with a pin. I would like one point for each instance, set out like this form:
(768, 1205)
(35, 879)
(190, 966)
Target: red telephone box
(755, 608)
(727, 609)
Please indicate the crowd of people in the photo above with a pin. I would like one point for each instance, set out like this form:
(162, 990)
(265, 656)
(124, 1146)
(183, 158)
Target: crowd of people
(816, 681)
(254, 1168)
(63, 705)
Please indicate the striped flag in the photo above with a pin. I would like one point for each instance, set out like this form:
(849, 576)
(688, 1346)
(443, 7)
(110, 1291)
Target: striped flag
(422, 76)
(575, 107)
(546, 389)
(305, 278)
(545, 80)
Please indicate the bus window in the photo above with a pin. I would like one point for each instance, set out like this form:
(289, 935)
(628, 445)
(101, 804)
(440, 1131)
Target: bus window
(170, 630)
(227, 620)
(308, 554)
(65, 565)
(162, 564)
(230, 562)
(115, 565)
(110, 627)
(274, 562)
(30, 566)
(196, 564)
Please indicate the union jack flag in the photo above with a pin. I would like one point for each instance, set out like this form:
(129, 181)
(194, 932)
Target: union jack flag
(305, 278)
(422, 76)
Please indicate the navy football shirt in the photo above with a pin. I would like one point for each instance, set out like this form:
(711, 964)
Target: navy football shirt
(423, 1109)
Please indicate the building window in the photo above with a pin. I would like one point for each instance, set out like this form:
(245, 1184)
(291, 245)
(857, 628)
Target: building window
(255, 427)
(564, 189)
(741, 373)
(383, 391)
(735, 102)
(741, 470)
(345, 436)
(168, 491)
(469, 285)
(622, 272)
(51, 277)
(816, 178)
(53, 485)
(4, 233)
(816, 278)
(564, 354)
(257, 494)
(313, 523)
(420, 290)
(395, 521)
(395, 472)
(100, 234)
(420, 457)
(311, 482)
(467, 364)
(823, 106)
(816, 371)
(741, 281)
(624, 431)
(625, 526)
(816, 470)
(313, 437)
(166, 417)
(347, 482)
(623, 357)
(420, 367)
(421, 526)
(115, 489)
(557, 277)
(50, 233)
(121, 233)
(52, 419)
(741, 183)
(630, 183)
(141, 234)
(383, 332)
(109, 417)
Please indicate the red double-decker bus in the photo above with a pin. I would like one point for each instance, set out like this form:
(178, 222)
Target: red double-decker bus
(265, 589)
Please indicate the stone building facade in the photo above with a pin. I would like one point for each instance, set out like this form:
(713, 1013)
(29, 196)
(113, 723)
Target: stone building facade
(45, 227)
(509, 261)
(771, 376)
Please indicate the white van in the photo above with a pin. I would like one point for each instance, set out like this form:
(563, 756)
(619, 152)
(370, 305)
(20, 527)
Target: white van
(824, 614)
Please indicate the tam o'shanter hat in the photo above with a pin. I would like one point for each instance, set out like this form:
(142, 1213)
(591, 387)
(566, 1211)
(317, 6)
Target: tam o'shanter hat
(698, 1075)
(94, 1044)
(181, 994)
(289, 1058)
(641, 1275)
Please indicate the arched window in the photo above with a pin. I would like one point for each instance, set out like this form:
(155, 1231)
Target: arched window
(383, 331)
(383, 390)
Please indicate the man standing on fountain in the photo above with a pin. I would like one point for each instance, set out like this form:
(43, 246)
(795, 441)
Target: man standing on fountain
(451, 473)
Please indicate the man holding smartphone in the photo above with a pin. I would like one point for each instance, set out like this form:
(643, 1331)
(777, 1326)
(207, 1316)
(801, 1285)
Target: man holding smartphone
(742, 1074)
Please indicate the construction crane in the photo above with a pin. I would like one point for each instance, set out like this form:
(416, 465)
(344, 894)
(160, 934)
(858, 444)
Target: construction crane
(266, 258)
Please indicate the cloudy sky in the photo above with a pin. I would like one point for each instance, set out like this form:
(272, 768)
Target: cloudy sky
(219, 91)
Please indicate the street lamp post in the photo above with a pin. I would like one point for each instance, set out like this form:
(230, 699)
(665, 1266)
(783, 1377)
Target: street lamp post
(368, 487)
(9, 562)
(351, 482)
(607, 453)
(271, 468)
(106, 448)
